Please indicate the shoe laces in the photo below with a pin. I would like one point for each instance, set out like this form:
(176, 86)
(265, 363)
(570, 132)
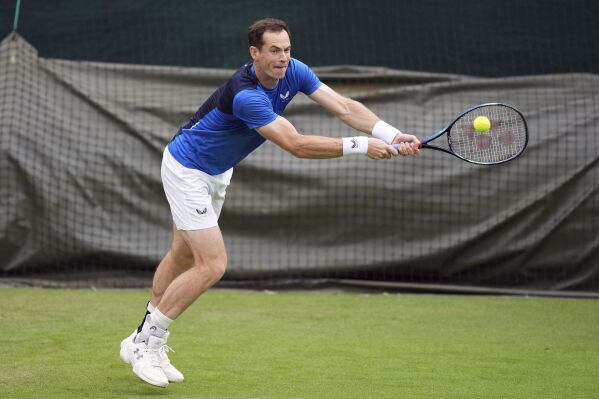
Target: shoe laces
(162, 352)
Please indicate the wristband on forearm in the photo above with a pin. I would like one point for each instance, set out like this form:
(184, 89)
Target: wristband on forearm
(355, 145)
(384, 131)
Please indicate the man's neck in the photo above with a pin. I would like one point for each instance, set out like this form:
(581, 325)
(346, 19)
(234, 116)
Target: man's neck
(265, 80)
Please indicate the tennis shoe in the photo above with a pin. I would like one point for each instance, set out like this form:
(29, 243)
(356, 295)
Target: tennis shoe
(145, 359)
(172, 374)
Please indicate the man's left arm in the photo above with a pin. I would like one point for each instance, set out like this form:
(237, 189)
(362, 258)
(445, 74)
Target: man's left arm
(357, 116)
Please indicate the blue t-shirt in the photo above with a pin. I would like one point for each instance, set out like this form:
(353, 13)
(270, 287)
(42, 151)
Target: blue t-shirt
(222, 131)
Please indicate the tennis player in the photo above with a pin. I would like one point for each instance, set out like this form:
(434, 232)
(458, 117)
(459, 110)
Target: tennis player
(198, 163)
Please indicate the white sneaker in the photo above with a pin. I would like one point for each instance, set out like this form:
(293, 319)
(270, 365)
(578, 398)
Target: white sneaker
(170, 371)
(145, 359)
(172, 374)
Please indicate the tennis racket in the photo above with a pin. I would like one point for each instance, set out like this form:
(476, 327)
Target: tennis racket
(506, 139)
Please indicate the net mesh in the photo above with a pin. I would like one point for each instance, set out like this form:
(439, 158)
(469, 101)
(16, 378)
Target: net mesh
(90, 94)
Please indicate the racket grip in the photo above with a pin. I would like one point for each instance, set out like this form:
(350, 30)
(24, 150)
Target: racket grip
(397, 145)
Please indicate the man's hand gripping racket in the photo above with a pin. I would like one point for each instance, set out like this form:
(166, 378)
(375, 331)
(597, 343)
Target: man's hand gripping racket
(486, 134)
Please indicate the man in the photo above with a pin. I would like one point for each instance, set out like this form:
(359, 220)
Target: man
(197, 167)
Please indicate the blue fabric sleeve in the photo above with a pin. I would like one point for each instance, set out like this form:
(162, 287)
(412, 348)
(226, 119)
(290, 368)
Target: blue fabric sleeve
(307, 81)
(253, 108)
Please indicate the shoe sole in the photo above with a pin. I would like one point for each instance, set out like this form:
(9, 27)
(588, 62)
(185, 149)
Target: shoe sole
(156, 384)
(175, 380)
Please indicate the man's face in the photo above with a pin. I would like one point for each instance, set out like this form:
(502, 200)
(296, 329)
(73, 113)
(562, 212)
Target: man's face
(273, 58)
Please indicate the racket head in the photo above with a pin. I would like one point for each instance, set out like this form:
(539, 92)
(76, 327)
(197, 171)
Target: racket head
(504, 141)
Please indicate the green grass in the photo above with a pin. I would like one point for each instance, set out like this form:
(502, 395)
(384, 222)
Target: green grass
(240, 344)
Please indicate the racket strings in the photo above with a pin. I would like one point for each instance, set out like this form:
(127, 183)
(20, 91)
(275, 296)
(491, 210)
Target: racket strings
(505, 139)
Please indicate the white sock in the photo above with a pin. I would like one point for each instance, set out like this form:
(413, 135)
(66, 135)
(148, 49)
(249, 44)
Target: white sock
(160, 319)
(155, 324)
(150, 307)
(150, 328)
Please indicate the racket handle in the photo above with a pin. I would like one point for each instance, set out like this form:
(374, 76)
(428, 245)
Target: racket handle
(397, 145)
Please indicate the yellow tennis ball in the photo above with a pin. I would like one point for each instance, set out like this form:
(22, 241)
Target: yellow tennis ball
(482, 124)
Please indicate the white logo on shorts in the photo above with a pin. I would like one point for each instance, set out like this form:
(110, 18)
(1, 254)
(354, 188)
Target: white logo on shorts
(202, 212)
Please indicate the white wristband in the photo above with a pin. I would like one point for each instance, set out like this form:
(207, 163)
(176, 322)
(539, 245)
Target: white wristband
(355, 145)
(384, 131)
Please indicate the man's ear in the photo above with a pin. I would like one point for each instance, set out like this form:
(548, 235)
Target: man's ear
(254, 52)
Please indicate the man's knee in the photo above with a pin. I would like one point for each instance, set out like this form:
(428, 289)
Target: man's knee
(214, 268)
(218, 269)
(210, 255)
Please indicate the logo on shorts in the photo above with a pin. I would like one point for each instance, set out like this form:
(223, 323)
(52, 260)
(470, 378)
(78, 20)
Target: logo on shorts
(202, 212)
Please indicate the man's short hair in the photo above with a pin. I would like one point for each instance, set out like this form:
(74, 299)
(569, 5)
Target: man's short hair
(257, 29)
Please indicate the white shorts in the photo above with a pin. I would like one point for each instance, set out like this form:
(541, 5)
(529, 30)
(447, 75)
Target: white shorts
(196, 198)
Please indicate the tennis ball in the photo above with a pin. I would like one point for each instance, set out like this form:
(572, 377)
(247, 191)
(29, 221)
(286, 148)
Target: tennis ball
(482, 124)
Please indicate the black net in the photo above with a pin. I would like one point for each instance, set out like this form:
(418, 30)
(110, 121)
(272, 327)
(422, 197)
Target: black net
(91, 92)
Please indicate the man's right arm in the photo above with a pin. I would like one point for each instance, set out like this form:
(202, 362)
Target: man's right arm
(283, 133)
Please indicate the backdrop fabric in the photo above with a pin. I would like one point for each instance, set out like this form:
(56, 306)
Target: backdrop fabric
(81, 146)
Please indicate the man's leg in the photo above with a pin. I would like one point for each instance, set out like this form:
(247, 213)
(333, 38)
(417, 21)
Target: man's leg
(209, 262)
(177, 260)
(158, 369)
(146, 351)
